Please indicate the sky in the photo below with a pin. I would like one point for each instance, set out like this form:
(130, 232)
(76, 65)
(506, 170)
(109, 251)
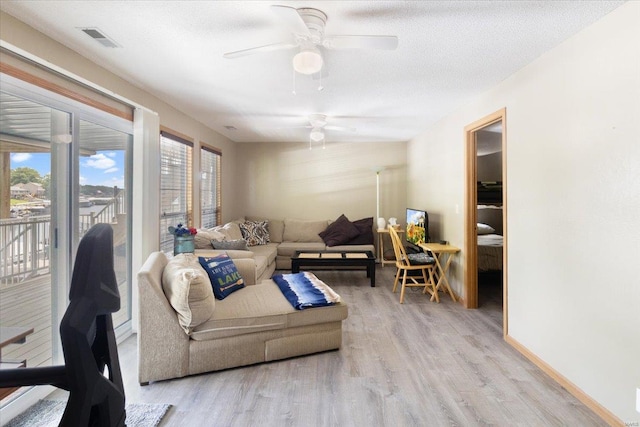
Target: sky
(102, 168)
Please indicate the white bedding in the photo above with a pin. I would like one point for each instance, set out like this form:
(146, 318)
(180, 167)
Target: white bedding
(490, 252)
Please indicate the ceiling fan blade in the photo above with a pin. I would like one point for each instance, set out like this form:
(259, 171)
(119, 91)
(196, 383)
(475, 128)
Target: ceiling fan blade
(361, 42)
(292, 18)
(340, 128)
(259, 49)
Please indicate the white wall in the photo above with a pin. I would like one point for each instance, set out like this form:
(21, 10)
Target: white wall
(573, 199)
(287, 180)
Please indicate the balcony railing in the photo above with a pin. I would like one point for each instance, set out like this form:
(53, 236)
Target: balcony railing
(25, 278)
(24, 248)
(25, 242)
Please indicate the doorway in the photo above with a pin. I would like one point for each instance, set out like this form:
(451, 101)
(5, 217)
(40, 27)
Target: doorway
(485, 202)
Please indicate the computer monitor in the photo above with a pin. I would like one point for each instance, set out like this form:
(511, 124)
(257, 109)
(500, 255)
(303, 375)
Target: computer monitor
(417, 228)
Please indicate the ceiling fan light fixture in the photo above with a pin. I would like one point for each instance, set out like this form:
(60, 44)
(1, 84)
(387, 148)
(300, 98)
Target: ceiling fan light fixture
(308, 61)
(316, 135)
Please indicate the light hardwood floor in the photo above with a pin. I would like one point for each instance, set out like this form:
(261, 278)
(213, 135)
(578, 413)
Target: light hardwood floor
(416, 364)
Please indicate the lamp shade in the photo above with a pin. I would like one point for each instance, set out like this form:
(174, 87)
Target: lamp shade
(316, 135)
(308, 61)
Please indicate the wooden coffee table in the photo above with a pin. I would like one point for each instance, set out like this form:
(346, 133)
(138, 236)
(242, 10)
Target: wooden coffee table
(335, 259)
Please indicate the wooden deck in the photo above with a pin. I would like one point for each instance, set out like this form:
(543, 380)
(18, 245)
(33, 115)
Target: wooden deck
(28, 303)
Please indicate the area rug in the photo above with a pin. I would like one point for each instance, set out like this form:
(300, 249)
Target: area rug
(47, 413)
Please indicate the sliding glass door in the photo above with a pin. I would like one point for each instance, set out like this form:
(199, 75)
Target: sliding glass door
(64, 166)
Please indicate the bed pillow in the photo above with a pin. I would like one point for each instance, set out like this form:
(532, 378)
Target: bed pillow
(485, 229)
(339, 232)
(223, 275)
(240, 244)
(188, 290)
(255, 232)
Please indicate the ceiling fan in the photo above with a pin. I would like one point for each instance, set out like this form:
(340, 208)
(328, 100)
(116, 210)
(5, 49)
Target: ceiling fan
(318, 123)
(307, 26)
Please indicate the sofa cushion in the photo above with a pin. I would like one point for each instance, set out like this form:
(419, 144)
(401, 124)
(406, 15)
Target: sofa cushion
(287, 249)
(269, 251)
(202, 240)
(231, 230)
(303, 231)
(255, 232)
(262, 308)
(365, 229)
(339, 232)
(275, 227)
(188, 290)
(223, 275)
(239, 245)
(276, 230)
(360, 248)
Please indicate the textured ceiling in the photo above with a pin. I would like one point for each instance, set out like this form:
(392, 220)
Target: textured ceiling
(447, 53)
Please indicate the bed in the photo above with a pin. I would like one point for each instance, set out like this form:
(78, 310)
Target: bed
(490, 239)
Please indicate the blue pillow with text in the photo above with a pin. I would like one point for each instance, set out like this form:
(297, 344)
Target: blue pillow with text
(223, 275)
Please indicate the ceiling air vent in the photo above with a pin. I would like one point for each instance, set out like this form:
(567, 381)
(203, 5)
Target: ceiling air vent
(100, 37)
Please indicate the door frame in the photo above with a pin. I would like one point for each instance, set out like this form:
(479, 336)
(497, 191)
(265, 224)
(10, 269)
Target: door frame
(471, 215)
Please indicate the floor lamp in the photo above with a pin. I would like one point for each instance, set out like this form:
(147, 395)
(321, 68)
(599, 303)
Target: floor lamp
(380, 221)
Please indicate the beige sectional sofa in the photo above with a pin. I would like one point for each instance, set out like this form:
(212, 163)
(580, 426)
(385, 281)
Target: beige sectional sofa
(184, 330)
(285, 237)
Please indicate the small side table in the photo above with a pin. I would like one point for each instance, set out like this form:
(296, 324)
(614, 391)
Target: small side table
(440, 251)
(381, 233)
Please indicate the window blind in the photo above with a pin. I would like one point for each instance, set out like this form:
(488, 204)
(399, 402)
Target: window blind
(210, 199)
(175, 186)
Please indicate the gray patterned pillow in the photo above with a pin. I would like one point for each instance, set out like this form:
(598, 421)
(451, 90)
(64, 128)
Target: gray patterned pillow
(239, 244)
(255, 232)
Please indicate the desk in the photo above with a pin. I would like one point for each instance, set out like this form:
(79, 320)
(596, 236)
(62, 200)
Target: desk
(443, 254)
(12, 335)
(381, 233)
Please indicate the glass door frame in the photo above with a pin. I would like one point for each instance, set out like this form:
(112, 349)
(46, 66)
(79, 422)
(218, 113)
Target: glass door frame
(67, 171)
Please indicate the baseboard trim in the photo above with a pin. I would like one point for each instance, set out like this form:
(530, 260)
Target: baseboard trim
(583, 397)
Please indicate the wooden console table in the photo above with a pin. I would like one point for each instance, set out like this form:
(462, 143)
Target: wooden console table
(12, 335)
(381, 233)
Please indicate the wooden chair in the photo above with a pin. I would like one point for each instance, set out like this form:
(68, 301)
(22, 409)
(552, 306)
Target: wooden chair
(406, 264)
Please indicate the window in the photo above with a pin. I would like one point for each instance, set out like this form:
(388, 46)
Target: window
(176, 201)
(210, 187)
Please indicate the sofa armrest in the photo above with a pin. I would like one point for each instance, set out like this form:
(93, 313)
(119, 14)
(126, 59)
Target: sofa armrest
(247, 269)
(244, 261)
(163, 346)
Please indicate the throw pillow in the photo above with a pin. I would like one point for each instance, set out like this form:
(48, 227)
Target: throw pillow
(339, 232)
(202, 240)
(255, 232)
(188, 290)
(230, 231)
(240, 244)
(421, 258)
(223, 275)
(365, 228)
(485, 229)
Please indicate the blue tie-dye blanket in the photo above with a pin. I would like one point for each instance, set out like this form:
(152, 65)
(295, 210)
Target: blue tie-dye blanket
(305, 290)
